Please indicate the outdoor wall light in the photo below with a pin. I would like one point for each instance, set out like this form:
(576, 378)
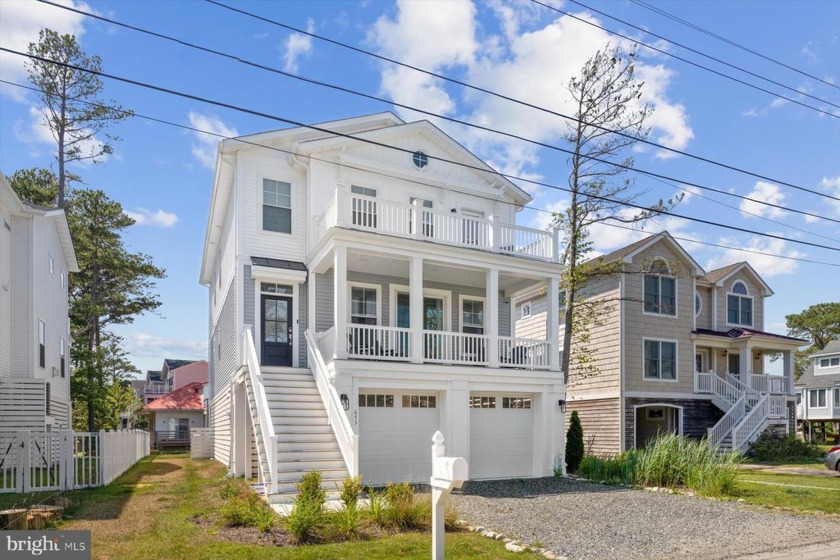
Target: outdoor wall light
(345, 402)
(562, 405)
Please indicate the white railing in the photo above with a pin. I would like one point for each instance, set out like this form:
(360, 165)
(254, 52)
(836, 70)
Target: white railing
(155, 389)
(381, 343)
(454, 348)
(778, 407)
(120, 450)
(753, 421)
(528, 242)
(326, 343)
(348, 439)
(65, 460)
(269, 438)
(726, 393)
(769, 384)
(752, 396)
(718, 432)
(368, 213)
(523, 353)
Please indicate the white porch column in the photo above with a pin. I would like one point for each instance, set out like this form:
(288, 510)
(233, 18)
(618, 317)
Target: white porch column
(311, 319)
(415, 298)
(788, 369)
(491, 316)
(340, 300)
(745, 364)
(552, 319)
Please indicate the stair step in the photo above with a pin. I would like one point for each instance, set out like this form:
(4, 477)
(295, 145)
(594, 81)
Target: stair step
(279, 422)
(281, 414)
(325, 435)
(313, 397)
(309, 426)
(300, 465)
(293, 403)
(269, 378)
(328, 476)
(309, 455)
(312, 443)
(301, 383)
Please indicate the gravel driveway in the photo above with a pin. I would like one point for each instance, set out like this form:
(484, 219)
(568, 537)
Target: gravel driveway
(584, 521)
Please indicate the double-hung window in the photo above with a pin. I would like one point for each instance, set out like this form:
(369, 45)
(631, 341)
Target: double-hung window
(660, 290)
(660, 361)
(277, 206)
(816, 398)
(739, 306)
(363, 306)
(472, 317)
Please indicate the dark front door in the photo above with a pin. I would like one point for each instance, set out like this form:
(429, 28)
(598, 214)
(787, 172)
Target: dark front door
(276, 331)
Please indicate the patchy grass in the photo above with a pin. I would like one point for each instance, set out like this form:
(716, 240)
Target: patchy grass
(799, 492)
(164, 506)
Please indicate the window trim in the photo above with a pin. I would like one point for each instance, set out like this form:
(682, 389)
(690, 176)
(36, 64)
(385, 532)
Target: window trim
(816, 392)
(731, 292)
(698, 309)
(461, 299)
(62, 356)
(836, 397)
(42, 344)
(365, 285)
(828, 359)
(291, 184)
(445, 295)
(425, 158)
(676, 360)
(659, 277)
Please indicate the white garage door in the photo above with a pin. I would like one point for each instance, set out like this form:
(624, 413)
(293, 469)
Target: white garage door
(501, 436)
(395, 436)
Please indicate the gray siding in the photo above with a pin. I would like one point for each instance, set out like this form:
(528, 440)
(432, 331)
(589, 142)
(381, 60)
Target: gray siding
(303, 322)
(222, 349)
(324, 304)
(248, 297)
(697, 417)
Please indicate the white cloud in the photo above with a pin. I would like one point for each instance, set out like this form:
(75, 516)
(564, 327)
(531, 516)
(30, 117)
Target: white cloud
(20, 23)
(159, 218)
(296, 46)
(765, 264)
(831, 185)
(204, 149)
(37, 132)
(145, 345)
(766, 192)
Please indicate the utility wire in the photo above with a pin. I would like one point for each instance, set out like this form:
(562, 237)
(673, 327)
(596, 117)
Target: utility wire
(710, 57)
(480, 169)
(452, 119)
(491, 93)
(242, 140)
(692, 63)
(687, 23)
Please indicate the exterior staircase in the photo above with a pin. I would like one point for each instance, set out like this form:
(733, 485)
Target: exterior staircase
(747, 412)
(303, 437)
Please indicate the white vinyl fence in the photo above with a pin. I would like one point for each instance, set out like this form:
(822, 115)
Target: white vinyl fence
(201, 443)
(64, 460)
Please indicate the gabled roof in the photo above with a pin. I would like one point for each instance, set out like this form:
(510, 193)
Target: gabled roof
(811, 381)
(154, 375)
(720, 275)
(187, 397)
(832, 347)
(175, 364)
(627, 252)
(742, 333)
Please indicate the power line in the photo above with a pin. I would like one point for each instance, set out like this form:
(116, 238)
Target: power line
(455, 120)
(670, 16)
(692, 63)
(329, 132)
(491, 93)
(710, 57)
(410, 180)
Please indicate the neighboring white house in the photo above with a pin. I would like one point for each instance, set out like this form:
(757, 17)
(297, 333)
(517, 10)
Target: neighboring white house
(36, 256)
(172, 416)
(374, 275)
(674, 349)
(819, 391)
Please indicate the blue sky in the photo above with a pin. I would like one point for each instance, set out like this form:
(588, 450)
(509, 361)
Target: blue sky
(163, 175)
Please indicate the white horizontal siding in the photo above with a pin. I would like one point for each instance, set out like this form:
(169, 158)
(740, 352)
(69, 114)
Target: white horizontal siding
(220, 422)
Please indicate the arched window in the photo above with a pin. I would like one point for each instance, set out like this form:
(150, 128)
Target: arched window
(740, 288)
(698, 304)
(739, 305)
(660, 289)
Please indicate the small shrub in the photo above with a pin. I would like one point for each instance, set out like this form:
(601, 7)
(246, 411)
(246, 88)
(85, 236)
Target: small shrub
(310, 490)
(304, 519)
(403, 511)
(351, 490)
(344, 523)
(574, 443)
(264, 518)
(239, 510)
(377, 507)
(788, 449)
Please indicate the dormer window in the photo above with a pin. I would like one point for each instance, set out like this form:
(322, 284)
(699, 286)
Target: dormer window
(739, 305)
(660, 289)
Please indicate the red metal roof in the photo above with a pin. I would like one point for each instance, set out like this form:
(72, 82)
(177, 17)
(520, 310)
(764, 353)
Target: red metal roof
(187, 397)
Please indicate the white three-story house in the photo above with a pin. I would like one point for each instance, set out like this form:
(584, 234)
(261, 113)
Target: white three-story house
(360, 278)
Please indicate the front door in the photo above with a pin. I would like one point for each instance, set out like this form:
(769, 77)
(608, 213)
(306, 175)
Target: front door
(276, 331)
(734, 363)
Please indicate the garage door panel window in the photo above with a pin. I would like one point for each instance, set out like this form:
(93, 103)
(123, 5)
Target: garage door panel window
(419, 401)
(482, 402)
(376, 401)
(516, 402)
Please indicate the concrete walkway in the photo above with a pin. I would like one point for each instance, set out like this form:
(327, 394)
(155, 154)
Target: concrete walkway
(823, 551)
(809, 471)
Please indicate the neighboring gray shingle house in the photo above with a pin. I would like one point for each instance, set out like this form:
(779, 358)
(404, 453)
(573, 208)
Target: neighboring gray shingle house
(819, 390)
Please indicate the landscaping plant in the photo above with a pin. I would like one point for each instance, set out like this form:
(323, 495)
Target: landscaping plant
(574, 443)
(787, 449)
(308, 511)
(404, 512)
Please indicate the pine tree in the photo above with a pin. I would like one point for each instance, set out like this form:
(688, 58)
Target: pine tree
(574, 443)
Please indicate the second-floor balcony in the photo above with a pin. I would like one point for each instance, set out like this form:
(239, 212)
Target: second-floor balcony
(416, 221)
(155, 389)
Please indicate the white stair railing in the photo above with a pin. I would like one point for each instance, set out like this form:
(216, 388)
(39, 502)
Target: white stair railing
(752, 423)
(269, 438)
(348, 439)
(726, 393)
(752, 395)
(733, 416)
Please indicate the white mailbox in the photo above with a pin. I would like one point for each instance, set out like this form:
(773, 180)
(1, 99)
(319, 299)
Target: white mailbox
(447, 473)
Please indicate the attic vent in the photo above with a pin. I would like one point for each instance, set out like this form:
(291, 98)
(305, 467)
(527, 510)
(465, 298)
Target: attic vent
(420, 160)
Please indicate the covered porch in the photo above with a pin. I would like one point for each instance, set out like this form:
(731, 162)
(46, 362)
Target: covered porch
(404, 305)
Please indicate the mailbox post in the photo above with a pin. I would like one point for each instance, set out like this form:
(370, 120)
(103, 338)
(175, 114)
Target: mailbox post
(447, 473)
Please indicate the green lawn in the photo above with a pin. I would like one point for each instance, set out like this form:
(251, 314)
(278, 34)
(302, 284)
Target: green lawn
(799, 492)
(149, 512)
